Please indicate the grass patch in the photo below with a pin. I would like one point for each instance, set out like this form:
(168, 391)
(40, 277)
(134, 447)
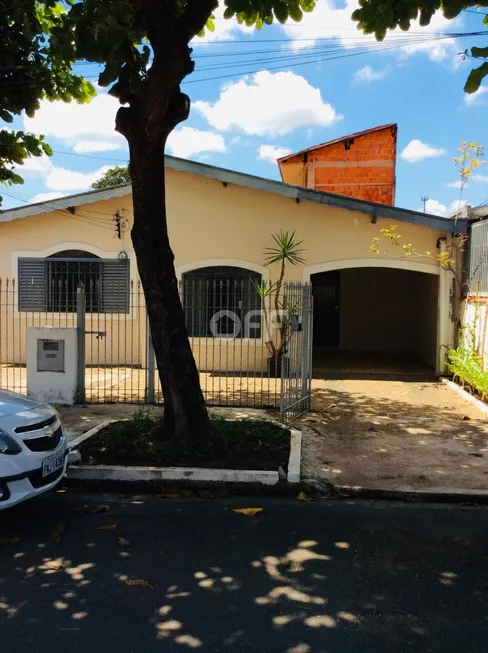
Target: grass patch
(140, 440)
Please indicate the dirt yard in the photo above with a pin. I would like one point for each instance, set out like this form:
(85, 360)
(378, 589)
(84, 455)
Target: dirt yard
(394, 435)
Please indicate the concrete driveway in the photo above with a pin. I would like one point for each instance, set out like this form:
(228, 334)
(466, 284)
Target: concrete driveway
(394, 434)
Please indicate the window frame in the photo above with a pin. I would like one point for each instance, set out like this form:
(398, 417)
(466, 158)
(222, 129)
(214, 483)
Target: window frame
(217, 271)
(71, 309)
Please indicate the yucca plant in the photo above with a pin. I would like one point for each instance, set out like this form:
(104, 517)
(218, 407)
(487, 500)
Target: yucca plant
(286, 250)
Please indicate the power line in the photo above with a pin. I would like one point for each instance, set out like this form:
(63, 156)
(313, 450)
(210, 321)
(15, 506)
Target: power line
(293, 65)
(89, 156)
(64, 213)
(379, 47)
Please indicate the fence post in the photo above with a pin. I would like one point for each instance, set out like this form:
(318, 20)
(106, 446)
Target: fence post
(151, 367)
(81, 357)
(307, 343)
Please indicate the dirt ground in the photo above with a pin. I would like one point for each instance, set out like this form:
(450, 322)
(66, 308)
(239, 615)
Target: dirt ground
(388, 434)
(80, 419)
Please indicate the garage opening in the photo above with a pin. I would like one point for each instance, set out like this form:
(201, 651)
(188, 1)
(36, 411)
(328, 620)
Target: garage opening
(374, 322)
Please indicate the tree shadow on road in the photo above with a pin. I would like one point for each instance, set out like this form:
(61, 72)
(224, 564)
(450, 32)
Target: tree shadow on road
(296, 579)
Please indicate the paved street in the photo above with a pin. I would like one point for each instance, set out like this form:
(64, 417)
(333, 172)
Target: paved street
(192, 575)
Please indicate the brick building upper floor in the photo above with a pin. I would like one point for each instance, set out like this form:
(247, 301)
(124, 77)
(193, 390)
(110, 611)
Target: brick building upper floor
(360, 165)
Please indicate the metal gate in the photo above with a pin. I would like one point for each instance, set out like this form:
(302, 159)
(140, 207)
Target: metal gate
(296, 368)
(227, 323)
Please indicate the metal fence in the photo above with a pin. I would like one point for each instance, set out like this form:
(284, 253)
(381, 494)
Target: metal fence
(249, 351)
(476, 275)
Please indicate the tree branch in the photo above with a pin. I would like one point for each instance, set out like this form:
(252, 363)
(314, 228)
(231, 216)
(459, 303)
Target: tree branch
(196, 15)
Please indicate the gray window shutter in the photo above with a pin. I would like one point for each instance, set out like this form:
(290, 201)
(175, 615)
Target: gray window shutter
(115, 286)
(32, 284)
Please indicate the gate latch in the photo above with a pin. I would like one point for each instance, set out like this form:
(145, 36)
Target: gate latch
(296, 323)
(97, 334)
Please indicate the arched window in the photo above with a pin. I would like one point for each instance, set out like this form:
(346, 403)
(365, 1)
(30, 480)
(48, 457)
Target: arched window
(50, 284)
(218, 301)
(64, 272)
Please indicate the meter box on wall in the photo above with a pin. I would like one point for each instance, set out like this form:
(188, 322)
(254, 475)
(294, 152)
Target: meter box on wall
(50, 355)
(51, 364)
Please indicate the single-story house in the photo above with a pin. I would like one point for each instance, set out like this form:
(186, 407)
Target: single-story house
(220, 223)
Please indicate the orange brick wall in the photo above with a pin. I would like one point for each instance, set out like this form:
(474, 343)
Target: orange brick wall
(361, 166)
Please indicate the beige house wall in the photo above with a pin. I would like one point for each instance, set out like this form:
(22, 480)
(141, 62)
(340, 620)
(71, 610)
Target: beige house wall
(209, 224)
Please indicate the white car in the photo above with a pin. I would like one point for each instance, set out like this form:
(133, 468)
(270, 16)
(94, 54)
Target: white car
(33, 450)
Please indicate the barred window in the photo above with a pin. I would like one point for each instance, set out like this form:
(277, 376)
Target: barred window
(50, 284)
(222, 301)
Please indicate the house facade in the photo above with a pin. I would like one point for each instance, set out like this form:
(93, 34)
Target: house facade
(220, 223)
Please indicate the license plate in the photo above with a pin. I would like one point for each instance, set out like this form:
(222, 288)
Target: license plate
(52, 463)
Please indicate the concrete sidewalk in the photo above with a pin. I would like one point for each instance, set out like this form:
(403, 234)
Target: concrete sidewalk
(375, 436)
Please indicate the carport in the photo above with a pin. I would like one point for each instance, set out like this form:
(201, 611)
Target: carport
(375, 318)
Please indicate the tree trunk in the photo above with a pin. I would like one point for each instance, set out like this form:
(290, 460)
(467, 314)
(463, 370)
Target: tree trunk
(154, 110)
(185, 413)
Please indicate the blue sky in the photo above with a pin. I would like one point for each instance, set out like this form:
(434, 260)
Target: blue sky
(254, 112)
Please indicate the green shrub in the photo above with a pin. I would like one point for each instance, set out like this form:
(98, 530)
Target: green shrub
(466, 366)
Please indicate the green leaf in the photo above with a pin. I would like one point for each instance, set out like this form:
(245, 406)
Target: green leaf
(6, 115)
(475, 78)
(281, 12)
(479, 53)
(229, 13)
(210, 25)
(296, 13)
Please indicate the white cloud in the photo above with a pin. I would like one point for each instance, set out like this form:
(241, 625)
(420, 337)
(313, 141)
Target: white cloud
(35, 165)
(473, 99)
(187, 141)
(480, 178)
(367, 75)
(456, 207)
(455, 184)
(57, 178)
(225, 30)
(434, 208)
(270, 153)
(271, 104)
(72, 122)
(328, 21)
(83, 147)
(62, 179)
(45, 197)
(418, 151)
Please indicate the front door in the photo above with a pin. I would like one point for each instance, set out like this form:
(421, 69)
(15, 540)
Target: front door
(326, 298)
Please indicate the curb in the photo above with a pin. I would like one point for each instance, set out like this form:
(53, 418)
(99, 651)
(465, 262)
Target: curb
(147, 478)
(465, 395)
(72, 444)
(424, 496)
(322, 489)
